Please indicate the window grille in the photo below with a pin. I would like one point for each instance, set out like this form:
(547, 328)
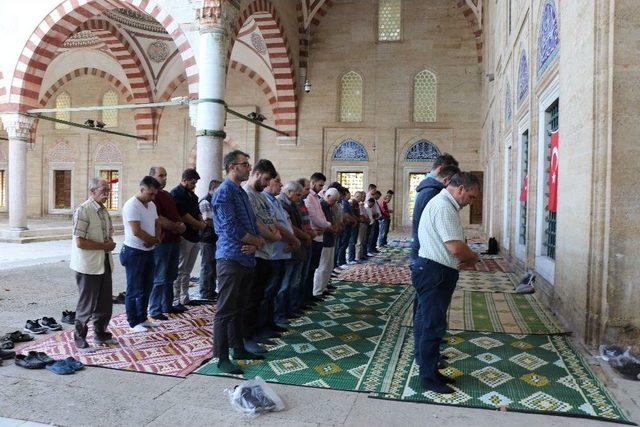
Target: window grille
(354, 181)
(110, 117)
(389, 20)
(351, 97)
(112, 176)
(424, 97)
(63, 101)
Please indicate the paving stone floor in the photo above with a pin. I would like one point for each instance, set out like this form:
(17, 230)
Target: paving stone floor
(30, 289)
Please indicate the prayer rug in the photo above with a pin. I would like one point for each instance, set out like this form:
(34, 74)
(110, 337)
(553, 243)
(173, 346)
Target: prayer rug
(522, 373)
(496, 264)
(391, 256)
(175, 348)
(325, 348)
(361, 298)
(495, 281)
(372, 273)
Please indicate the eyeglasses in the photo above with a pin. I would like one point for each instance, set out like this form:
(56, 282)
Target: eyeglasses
(245, 164)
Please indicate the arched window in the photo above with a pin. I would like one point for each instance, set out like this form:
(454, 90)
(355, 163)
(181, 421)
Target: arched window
(422, 151)
(523, 77)
(389, 20)
(63, 101)
(424, 97)
(548, 37)
(351, 97)
(350, 150)
(110, 117)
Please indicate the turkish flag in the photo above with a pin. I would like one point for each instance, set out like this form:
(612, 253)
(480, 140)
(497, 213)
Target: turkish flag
(114, 181)
(553, 174)
(524, 188)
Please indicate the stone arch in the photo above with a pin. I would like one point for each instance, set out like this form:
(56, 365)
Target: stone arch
(548, 42)
(3, 89)
(61, 23)
(107, 153)
(268, 21)
(421, 151)
(266, 89)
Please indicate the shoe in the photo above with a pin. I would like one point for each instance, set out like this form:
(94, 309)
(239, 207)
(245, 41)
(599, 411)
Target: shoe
(119, 299)
(343, 267)
(228, 367)
(337, 270)
(73, 363)
(138, 328)
(159, 317)
(60, 367)
(68, 317)
(176, 310)
(7, 354)
(436, 387)
(34, 327)
(267, 333)
(182, 307)
(150, 324)
(316, 299)
(6, 343)
(245, 355)
(29, 362)
(278, 328)
(294, 316)
(352, 262)
(43, 357)
(251, 346)
(442, 364)
(50, 323)
(107, 342)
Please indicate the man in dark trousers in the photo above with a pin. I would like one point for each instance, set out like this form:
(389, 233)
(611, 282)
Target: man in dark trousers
(208, 239)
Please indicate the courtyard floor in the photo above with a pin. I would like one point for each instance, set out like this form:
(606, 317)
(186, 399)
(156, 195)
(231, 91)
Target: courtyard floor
(35, 281)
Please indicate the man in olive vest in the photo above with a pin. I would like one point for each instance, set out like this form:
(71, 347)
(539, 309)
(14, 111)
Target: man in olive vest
(91, 260)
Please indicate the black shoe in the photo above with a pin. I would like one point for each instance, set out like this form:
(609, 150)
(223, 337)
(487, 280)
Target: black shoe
(119, 299)
(7, 354)
(442, 364)
(160, 317)
(29, 362)
(181, 307)
(43, 357)
(228, 367)
(436, 387)
(50, 323)
(331, 287)
(176, 309)
(245, 355)
(34, 327)
(294, 316)
(68, 317)
(277, 328)
(316, 299)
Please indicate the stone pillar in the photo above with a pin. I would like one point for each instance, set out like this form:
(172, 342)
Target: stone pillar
(213, 20)
(18, 130)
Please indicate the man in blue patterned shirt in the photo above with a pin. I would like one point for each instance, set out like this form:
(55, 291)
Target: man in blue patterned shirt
(238, 240)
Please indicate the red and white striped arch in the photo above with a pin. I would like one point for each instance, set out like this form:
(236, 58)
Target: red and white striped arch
(61, 23)
(476, 26)
(3, 89)
(268, 21)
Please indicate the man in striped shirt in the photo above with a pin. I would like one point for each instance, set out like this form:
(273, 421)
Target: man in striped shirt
(435, 274)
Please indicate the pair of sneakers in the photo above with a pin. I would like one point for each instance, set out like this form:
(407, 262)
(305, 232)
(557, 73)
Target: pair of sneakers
(42, 326)
(144, 326)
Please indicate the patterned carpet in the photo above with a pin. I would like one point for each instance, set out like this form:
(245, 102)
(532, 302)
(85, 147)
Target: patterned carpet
(176, 348)
(374, 273)
(524, 373)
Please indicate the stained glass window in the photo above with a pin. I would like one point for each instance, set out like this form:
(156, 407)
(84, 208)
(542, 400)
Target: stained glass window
(351, 97)
(422, 151)
(113, 178)
(523, 77)
(389, 20)
(350, 150)
(63, 101)
(424, 97)
(414, 180)
(110, 117)
(548, 37)
(354, 181)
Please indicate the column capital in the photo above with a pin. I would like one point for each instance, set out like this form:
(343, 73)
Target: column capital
(217, 15)
(18, 126)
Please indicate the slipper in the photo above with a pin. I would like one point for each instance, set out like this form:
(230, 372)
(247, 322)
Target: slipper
(60, 367)
(29, 362)
(73, 363)
(18, 336)
(6, 343)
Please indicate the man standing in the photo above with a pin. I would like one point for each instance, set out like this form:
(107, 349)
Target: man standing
(385, 221)
(374, 230)
(306, 293)
(91, 260)
(435, 273)
(320, 224)
(431, 185)
(208, 239)
(325, 266)
(238, 239)
(187, 203)
(355, 203)
(141, 235)
(167, 253)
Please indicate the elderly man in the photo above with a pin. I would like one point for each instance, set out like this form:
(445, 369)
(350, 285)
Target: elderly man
(91, 260)
(435, 273)
(360, 220)
(167, 253)
(443, 169)
(187, 203)
(325, 266)
(238, 239)
(142, 233)
(320, 225)
(208, 239)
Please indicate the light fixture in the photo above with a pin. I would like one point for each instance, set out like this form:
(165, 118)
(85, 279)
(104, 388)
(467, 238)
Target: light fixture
(490, 77)
(307, 85)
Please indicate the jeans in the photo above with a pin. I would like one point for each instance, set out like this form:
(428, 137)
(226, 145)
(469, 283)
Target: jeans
(373, 237)
(235, 281)
(166, 257)
(342, 245)
(288, 296)
(353, 239)
(304, 295)
(274, 283)
(384, 230)
(139, 267)
(434, 284)
(188, 254)
(208, 271)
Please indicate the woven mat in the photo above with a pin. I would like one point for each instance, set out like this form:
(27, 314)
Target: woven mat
(176, 348)
(494, 281)
(373, 273)
(524, 373)
(491, 264)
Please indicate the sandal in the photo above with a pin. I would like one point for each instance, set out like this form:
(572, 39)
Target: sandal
(18, 336)
(6, 343)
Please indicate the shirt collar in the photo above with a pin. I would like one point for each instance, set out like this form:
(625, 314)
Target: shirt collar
(95, 205)
(451, 198)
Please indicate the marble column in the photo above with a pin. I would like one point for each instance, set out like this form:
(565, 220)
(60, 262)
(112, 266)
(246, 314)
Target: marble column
(211, 113)
(18, 129)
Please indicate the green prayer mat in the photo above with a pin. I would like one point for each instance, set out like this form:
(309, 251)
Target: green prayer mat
(523, 373)
(361, 298)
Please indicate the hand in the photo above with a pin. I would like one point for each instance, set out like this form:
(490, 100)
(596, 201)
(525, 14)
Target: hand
(248, 249)
(109, 246)
(287, 249)
(295, 245)
(180, 227)
(261, 242)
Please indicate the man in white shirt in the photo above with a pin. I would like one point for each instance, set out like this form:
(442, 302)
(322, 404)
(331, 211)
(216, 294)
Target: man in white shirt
(141, 235)
(435, 274)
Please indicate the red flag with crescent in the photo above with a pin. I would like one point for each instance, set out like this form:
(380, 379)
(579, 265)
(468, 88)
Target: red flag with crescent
(553, 174)
(524, 188)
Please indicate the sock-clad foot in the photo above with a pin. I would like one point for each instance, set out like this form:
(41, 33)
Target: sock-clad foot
(436, 387)
(251, 346)
(228, 367)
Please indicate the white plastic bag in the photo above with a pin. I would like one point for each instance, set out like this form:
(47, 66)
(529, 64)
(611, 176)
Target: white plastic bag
(622, 361)
(254, 397)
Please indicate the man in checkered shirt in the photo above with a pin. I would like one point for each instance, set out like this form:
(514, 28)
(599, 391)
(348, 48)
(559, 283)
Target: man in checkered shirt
(435, 274)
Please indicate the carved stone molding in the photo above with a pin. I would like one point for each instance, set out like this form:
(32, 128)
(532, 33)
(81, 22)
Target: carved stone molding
(18, 126)
(217, 15)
